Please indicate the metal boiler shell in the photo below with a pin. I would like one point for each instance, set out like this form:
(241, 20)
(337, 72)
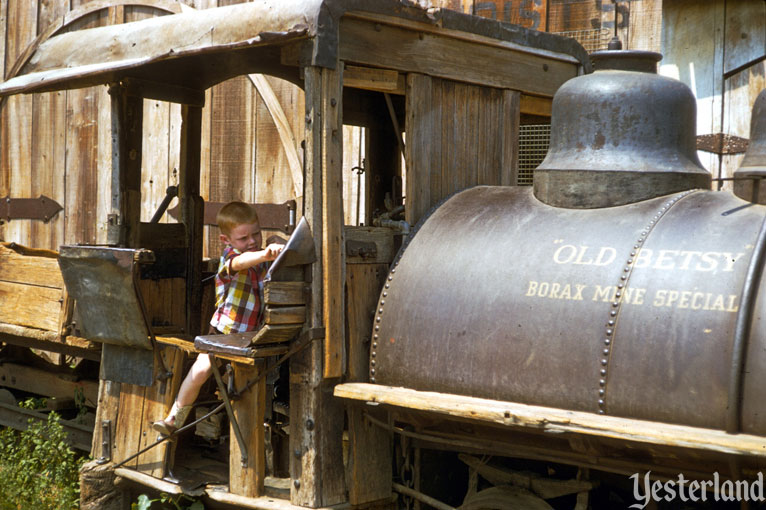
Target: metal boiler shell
(500, 296)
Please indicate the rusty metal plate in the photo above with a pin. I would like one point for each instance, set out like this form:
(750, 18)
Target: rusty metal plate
(101, 281)
(628, 310)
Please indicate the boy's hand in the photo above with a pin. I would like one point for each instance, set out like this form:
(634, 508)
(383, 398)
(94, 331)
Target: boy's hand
(272, 250)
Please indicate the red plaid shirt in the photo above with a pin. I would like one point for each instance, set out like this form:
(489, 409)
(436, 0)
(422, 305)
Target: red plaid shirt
(238, 295)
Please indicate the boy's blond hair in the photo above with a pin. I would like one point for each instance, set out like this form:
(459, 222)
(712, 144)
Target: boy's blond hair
(233, 214)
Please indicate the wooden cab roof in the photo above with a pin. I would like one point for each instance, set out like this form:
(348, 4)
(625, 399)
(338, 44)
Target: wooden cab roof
(185, 53)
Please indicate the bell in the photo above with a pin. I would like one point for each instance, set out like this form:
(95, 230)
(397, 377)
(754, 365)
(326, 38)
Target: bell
(747, 178)
(620, 135)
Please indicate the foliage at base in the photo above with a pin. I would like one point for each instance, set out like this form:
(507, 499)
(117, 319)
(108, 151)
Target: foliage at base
(38, 469)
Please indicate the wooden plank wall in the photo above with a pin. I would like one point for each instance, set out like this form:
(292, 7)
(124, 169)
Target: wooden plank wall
(725, 70)
(58, 144)
(459, 135)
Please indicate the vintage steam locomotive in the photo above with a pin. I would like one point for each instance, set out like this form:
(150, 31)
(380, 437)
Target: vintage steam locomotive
(619, 285)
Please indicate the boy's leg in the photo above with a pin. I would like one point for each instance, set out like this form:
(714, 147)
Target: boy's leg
(187, 394)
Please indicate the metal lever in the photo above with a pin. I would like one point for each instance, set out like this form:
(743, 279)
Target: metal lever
(229, 410)
(170, 194)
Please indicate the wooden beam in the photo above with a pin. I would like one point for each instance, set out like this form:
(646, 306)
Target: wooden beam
(536, 105)
(261, 503)
(46, 383)
(127, 137)
(406, 50)
(382, 238)
(78, 435)
(512, 414)
(192, 213)
(371, 78)
(331, 165)
(164, 92)
(49, 341)
(316, 460)
(369, 446)
(283, 128)
(246, 479)
(284, 293)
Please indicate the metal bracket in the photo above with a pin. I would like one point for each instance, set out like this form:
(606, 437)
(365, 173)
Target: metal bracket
(40, 208)
(270, 216)
(720, 143)
(106, 442)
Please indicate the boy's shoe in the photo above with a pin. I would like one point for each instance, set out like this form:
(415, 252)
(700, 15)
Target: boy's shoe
(164, 428)
(175, 420)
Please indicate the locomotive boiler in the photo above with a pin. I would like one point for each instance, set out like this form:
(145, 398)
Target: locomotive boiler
(619, 284)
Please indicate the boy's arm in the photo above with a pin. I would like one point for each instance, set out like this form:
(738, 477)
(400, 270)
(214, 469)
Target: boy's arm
(253, 258)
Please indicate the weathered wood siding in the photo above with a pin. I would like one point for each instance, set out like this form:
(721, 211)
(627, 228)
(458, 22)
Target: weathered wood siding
(59, 144)
(725, 69)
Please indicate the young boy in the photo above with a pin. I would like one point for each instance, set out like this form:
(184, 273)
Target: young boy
(238, 290)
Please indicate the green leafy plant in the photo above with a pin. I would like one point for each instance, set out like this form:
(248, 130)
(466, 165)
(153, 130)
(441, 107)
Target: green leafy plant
(38, 469)
(144, 503)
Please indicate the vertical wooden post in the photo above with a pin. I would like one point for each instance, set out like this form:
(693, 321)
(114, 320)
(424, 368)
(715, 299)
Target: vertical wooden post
(127, 132)
(192, 207)
(369, 446)
(333, 245)
(247, 480)
(316, 418)
(510, 119)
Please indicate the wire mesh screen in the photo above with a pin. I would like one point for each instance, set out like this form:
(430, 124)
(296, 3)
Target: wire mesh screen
(592, 40)
(533, 146)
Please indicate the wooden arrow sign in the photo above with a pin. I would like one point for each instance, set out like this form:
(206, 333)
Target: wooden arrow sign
(41, 208)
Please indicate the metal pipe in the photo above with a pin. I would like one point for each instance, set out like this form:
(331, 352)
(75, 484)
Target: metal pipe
(428, 500)
(742, 331)
(170, 194)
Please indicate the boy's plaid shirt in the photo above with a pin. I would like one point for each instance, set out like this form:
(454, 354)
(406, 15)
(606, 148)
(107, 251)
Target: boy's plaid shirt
(238, 295)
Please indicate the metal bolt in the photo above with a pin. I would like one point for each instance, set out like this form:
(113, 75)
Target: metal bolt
(603, 371)
(372, 371)
(607, 341)
(372, 354)
(333, 102)
(609, 332)
(372, 362)
(606, 351)
(374, 345)
(604, 361)
(309, 424)
(601, 401)
(601, 392)
(297, 454)
(297, 484)
(602, 382)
